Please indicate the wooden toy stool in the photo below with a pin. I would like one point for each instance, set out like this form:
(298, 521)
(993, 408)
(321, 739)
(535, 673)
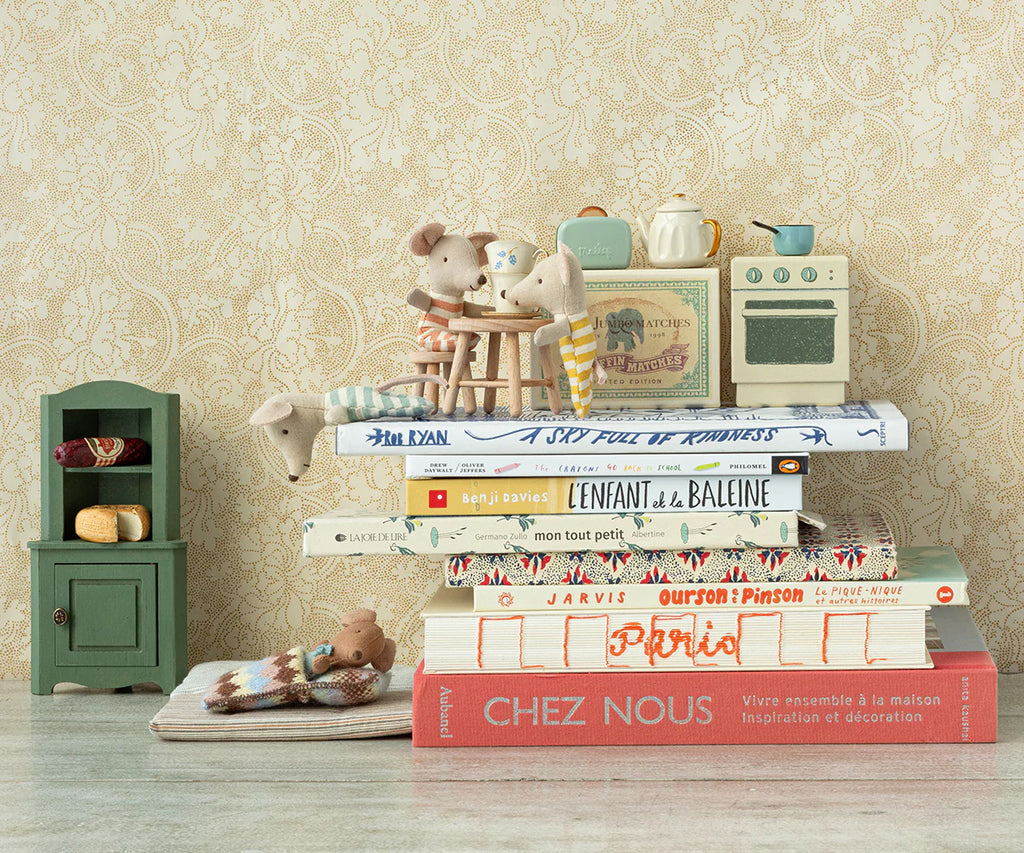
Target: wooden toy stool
(431, 363)
(497, 327)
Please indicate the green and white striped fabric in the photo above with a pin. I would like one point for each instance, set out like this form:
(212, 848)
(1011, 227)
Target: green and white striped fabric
(363, 403)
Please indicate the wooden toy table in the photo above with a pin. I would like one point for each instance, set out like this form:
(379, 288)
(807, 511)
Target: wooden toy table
(494, 327)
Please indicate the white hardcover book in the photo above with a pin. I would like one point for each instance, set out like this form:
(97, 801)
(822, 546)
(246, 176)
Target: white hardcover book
(456, 639)
(865, 425)
(351, 532)
(639, 464)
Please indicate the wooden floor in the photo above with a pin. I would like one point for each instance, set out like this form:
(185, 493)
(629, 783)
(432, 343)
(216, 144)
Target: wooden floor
(80, 771)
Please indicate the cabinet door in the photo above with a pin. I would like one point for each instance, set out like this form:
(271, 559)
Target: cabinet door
(111, 614)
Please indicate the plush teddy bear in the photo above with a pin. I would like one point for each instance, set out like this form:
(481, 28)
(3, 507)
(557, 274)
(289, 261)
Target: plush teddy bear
(454, 267)
(360, 641)
(557, 285)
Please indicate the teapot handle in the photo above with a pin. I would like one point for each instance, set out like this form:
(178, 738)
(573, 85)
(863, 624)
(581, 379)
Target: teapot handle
(718, 235)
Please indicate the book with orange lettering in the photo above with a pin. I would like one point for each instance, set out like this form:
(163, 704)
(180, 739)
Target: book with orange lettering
(927, 576)
(458, 640)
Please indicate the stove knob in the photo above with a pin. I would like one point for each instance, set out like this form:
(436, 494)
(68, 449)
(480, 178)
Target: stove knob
(753, 275)
(808, 274)
(781, 275)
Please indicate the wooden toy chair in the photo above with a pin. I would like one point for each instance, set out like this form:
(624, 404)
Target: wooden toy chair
(432, 363)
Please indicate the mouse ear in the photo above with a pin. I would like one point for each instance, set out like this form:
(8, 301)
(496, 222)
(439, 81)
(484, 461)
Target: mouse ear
(479, 239)
(563, 263)
(423, 239)
(274, 410)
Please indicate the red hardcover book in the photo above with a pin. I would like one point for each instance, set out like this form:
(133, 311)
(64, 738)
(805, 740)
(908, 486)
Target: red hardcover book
(954, 702)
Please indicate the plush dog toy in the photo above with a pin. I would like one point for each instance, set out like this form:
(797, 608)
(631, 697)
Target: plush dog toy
(360, 641)
(292, 421)
(453, 268)
(557, 285)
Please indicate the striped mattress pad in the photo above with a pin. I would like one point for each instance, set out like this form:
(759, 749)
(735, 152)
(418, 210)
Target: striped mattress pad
(183, 717)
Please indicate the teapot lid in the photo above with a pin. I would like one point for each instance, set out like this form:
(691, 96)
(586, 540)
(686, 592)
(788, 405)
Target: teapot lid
(679, 204)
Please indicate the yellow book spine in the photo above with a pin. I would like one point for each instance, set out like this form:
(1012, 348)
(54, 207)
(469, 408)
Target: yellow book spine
(488, 496)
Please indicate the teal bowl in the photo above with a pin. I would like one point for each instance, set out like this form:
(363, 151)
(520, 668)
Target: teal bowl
(793, 239)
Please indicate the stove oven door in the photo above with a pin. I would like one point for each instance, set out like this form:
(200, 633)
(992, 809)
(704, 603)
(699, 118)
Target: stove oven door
(790, 331)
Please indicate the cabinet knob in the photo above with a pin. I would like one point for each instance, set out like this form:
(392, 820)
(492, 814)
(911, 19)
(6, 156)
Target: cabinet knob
(60, 616)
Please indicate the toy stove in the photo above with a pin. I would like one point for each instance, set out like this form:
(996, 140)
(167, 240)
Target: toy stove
(791, 330)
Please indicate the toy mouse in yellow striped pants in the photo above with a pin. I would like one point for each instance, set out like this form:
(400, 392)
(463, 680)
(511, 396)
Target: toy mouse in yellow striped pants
(556, 284)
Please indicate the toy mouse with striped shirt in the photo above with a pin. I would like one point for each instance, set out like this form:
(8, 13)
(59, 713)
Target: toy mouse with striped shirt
(557, 285)
(454, 267)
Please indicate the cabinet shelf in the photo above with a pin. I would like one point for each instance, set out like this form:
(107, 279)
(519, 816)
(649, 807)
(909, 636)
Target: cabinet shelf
(125, 545)
(115, 410)
(111, 469)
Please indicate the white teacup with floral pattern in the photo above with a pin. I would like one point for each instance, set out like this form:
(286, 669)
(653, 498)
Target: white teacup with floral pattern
(509, 261)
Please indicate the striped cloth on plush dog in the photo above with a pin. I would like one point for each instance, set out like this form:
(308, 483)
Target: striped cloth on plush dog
(579, 350)
(360, 403)
(433, 333)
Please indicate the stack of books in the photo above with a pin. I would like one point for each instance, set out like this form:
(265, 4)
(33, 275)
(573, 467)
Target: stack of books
(644, 577)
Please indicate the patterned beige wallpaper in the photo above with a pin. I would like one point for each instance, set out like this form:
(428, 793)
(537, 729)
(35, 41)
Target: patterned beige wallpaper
(213, 197)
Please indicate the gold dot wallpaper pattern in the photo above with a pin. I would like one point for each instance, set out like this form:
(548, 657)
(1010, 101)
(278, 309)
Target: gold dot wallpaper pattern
(213, 197)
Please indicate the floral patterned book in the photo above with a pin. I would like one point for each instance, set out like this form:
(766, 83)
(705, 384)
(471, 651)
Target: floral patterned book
(847, 549)
(927, 576)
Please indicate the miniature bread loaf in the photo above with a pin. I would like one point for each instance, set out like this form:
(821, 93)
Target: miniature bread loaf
(113, 522)
(97, 452)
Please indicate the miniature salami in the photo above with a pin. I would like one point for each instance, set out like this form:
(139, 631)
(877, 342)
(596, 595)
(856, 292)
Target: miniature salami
(97, 452)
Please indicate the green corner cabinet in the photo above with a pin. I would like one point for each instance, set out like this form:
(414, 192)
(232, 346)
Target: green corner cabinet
(109, 615)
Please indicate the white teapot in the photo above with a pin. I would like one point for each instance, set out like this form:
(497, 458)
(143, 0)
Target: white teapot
(678, 235)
